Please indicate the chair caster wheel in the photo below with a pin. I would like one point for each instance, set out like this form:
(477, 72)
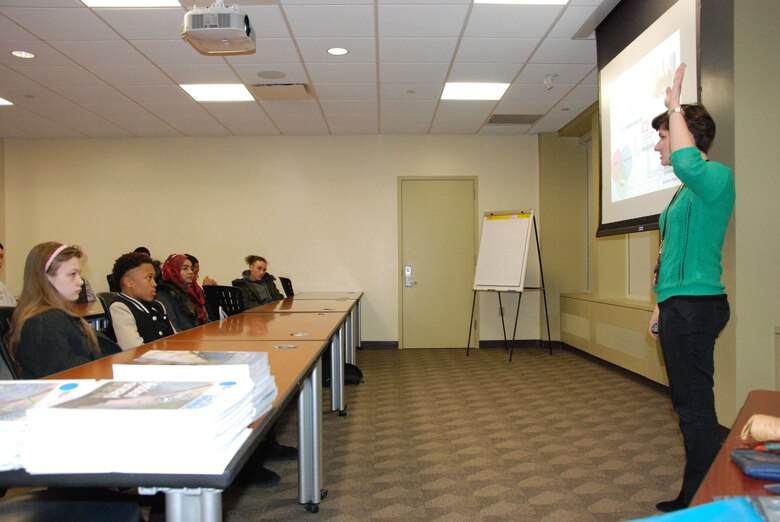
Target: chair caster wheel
(311, 507)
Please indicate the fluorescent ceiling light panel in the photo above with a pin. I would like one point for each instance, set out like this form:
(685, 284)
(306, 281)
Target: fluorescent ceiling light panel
(218, 92)
(523, 2)
(131, 4)
(473, 91)
(3, 101)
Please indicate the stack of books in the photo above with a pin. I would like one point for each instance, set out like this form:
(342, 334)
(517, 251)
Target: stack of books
(16, 398)
(176, 366)
(141, 427)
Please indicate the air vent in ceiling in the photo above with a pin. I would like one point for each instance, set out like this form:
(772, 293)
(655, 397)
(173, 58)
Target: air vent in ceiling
(513, 119)
(279, 91)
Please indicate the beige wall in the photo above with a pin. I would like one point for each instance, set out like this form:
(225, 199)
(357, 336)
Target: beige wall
(757, 113)
(323, 210)
(2, 200)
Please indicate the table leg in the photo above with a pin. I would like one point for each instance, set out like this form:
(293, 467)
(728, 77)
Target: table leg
(190, 504)
(337, 372)
(310, 480)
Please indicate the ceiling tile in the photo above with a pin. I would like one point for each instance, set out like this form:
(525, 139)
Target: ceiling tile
(569, 74)
(411, 91)
(495, 50)
(173, 52)
(571, 21)
(483, 72)
(123, 76)
(564, 50)
(514, 21)
(269, 50)
(93, 95)
(294, 73)
(342, 72)
(61, 24)
(504, 129)
(422, 21)
(159, 94)
(348, 21)
(365, 107)
(92, 54)
(216, 73)
(145, 24)
(417, 50)
(315, 50)
(413, 72)
(422, 107)
(346, 91)
(45, 54)
(61, 76)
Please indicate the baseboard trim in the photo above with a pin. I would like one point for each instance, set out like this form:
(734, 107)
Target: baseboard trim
(378, 345)
(518, 343)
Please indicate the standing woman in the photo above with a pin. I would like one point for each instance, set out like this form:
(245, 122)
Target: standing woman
(692, 306)
(184, 300)
(6, 299)
(46, 335)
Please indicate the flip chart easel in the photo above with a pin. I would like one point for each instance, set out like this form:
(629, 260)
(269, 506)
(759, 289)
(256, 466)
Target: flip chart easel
(501, 264)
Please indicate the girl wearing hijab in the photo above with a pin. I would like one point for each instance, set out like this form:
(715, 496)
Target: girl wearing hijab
(183, 299)
(47, 336)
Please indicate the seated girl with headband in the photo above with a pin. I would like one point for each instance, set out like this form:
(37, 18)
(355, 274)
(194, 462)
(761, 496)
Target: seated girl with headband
(46, 335)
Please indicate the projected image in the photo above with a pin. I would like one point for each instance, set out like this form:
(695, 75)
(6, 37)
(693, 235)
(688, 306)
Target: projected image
(634, 186)
(637, 96)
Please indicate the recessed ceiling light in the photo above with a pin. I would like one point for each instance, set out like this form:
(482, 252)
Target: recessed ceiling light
(523, 2)
(23, 54)
(337, 51)
(131, 4)
(473, 91)
(218, 92)
(3, 101)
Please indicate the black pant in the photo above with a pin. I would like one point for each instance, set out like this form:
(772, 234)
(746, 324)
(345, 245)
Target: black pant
(688, 327)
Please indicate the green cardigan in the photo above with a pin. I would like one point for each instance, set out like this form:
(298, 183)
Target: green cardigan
(693, 227)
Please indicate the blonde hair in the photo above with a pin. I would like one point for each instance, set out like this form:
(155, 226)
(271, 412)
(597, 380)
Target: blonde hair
(39, 295)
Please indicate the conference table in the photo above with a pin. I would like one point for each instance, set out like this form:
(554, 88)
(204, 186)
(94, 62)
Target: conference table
(295, 343)
(196, 497)
(344, 340)
(726, 478)
(353, 334)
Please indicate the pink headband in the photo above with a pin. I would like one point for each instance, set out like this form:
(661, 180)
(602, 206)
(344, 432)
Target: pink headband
(52, 256)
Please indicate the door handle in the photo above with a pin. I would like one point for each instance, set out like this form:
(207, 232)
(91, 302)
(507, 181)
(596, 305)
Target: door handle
(408, 276)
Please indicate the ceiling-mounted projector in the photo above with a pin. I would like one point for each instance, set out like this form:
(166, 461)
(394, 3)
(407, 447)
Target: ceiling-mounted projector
(219, 30)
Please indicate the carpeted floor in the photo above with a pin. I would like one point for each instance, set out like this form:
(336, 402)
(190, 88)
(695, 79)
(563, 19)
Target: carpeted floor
(437, 436)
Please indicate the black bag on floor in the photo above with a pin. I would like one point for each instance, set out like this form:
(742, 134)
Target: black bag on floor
(352, 374)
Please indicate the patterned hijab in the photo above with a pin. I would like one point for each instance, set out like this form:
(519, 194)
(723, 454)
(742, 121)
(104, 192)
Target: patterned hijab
(171, 272)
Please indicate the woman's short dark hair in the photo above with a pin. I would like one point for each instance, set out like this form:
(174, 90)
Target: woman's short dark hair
(143, 250)
(251, 260)
(699, 122)
(193, 259)
(127, 262)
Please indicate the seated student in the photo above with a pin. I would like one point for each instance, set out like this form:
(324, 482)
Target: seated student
(157, 264)
(257, 285)
(184, 302)
(6, 299)
(46, 336)
(196, 270)
(136, 317)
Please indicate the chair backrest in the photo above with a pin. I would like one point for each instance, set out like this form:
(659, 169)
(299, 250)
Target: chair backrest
(5, 326)
(106, 326)
(113, 286)
(228, 297)
(287, 286)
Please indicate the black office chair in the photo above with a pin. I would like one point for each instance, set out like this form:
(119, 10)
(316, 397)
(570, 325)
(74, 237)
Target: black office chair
(107, 327)
(5, 326)
(112, 285)
(287, 286)
(61, 505)
(228, 297)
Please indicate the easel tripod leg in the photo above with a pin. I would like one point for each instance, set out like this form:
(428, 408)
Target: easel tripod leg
(471, 322)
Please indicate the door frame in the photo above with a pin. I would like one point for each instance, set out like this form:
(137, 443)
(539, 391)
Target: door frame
(400, 264)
